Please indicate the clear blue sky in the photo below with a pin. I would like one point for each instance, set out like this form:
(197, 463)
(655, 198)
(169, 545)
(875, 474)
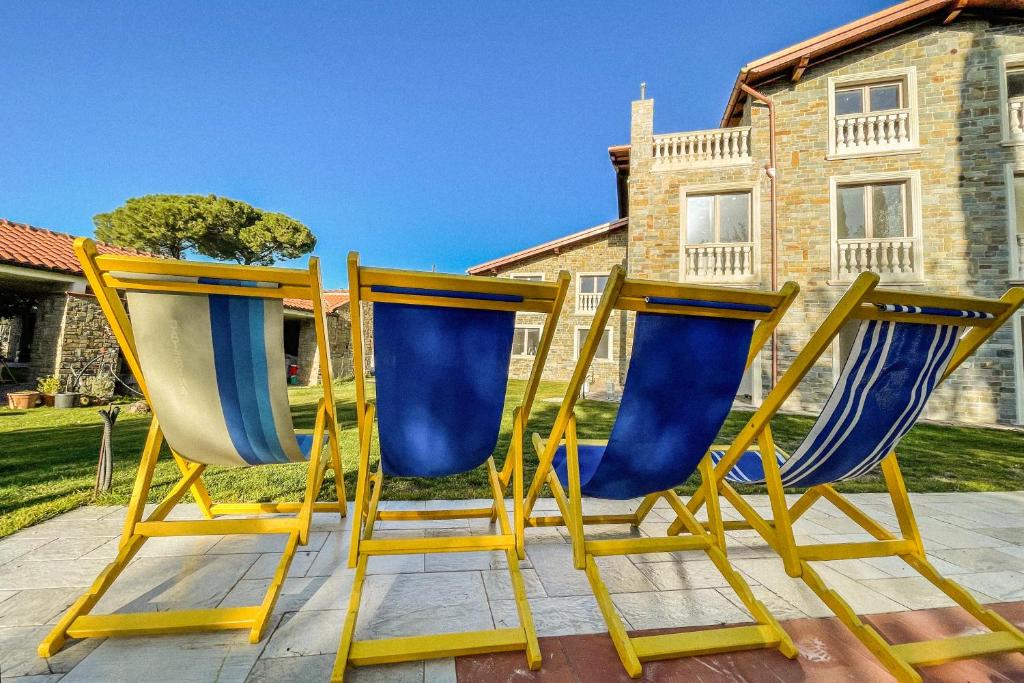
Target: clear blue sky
(419, 133)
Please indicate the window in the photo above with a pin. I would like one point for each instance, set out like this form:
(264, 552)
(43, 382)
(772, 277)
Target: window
(873, 113)
(525, 341)
(592, 284)
(863, 99)
(529, 277)
(1015, 82)
(604, 346)
(588, 291)
(875, 211)
(718, 218)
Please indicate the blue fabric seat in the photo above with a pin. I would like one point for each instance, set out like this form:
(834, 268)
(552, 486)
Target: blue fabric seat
(441, 380)
(683, 374)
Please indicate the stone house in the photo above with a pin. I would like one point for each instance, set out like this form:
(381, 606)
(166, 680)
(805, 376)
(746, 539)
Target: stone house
(52, 325)
(898, 148)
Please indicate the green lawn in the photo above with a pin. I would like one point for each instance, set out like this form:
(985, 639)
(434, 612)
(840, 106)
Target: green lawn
(48, 458)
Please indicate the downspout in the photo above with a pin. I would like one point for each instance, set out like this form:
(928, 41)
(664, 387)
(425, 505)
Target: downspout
(770, 170)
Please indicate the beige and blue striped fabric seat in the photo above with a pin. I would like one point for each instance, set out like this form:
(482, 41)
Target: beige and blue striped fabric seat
(883, 388)
(215, 369)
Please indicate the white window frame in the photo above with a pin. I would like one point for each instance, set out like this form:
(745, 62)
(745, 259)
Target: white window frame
(1007, 63)
(754, 188)
(913, 180)
(909, 77)
(579, 281)
(597, 359)
(526, 276)
(528, 326)
(1018, 363)
(1010, 170)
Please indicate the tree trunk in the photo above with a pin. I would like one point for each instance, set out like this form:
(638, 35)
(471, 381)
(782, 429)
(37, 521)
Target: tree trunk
(105, 466)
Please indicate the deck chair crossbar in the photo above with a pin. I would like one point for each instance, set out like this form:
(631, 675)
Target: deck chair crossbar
(670, 320)
(916, 341)
(456, 372)
(203, 341)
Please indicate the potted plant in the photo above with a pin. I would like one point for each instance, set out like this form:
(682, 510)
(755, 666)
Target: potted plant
(20, 400)
(67, 398)
(47, 387)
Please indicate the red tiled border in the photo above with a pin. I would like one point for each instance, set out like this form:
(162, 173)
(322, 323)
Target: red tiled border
(828, 652)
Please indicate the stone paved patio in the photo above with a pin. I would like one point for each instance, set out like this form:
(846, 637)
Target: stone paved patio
(978, 538)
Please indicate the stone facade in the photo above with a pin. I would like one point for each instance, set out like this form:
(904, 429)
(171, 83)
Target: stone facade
(339, 339)
(593, 256)
(70, 333)
(959, 164)
(955, 166)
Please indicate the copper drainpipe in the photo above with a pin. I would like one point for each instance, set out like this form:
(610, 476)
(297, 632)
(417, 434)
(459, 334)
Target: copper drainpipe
(771, 170)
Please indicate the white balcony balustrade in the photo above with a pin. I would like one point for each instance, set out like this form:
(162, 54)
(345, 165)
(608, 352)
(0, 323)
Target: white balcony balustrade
(879, 132)
(587, 303)
(720, 262)
(1015, 111)
(895, 259)
(717, 147)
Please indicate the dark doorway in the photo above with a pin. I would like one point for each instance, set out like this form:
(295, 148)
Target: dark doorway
(292, 331)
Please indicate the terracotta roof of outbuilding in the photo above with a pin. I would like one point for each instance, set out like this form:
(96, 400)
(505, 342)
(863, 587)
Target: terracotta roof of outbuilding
(553, 245)
(333, 300)
(900, 17)
(31, 247)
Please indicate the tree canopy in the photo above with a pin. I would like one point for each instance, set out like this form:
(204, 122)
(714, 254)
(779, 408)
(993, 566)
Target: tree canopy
(228, 229)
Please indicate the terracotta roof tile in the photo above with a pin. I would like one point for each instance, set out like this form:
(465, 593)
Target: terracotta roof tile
(31, 247)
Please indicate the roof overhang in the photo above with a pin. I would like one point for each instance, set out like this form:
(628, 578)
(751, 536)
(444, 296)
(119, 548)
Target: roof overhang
(554, 246)
(37, 276)
(792, 61)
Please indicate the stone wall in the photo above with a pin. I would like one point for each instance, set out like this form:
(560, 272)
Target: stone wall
(70, 331)
(964, 200)
(10, 337)
(596, 255)
(339, 338)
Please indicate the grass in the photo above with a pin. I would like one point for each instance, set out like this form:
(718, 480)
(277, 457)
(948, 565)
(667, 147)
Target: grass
(48, 457)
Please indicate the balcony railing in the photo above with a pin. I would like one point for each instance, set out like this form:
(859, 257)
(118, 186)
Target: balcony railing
(720, 262)
(587, 303)
(718, 147)
(896, 259)
(889, 130)
(1015, 110)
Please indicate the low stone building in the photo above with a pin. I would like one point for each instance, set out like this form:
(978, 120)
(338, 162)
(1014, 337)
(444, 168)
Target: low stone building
(899, 149)
(51, 324)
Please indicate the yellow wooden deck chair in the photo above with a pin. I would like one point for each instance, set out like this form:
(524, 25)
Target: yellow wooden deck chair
(204, 342)
(906, 344)
(691, 345)
(442, 345)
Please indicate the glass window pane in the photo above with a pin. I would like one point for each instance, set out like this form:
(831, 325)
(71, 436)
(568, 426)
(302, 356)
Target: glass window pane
(849, 101)
(518, 341)
(587, 283)
(532, 341)
(603, 347)
(850, 213)
(1015, 83)
(888, 215)
(698, 219)
(734, 217)
(1018, 198)
(884, 97)
(599, 282)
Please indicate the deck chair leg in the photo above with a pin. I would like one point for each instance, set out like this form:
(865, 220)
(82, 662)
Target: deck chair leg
(785, 542)
(199, 491)
(274, 590)
(644, 509)
(362, 485)
(616, 629)
(339, 474)
(348, 630)
(901, 501)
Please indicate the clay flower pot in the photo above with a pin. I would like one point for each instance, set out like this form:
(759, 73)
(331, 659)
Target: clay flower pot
(47, 400)
(21, 400)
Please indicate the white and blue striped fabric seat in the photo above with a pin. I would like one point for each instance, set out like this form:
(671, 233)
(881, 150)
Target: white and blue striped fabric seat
(883, 388)
(214, 368)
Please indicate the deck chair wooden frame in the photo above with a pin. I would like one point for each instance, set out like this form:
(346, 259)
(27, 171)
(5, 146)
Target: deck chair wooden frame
(108, 276)
(633, 295)
(537, 297)
(863, 301)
